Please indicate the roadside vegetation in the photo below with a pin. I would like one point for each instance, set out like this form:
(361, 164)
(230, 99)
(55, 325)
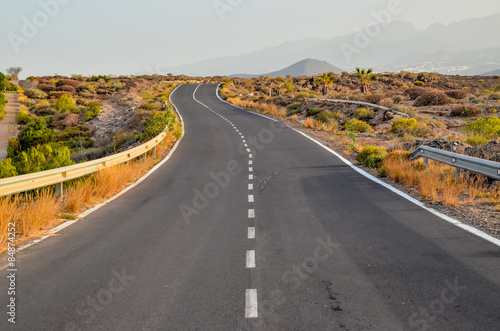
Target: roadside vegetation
(455, 113)
(60, 129)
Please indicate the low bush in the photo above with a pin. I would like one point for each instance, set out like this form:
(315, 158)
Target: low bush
(66, 88)
(488, 128)
(35, 94)
(476, 141)
(355, 125)
(7, 169)
(457, 94)
(465, 111)
(374, 98)
(69, 82)
(65, 103)
(364, 114)
(314, 111)
(414, 92)
(47, 88)
(156, 123)
(432, 98)
(24, 118)
(372, 156)
(418, 83)
(410, 126)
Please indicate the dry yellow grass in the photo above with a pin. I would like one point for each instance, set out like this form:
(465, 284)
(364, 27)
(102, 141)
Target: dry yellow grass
(308, 123)
(36, 212)
(265, 108)
(435, 182)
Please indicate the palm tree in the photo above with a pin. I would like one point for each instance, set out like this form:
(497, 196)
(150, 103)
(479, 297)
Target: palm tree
(365, 78)
(326, 80)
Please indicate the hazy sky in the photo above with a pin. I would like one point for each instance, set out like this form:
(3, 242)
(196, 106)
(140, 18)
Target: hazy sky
(125, 37)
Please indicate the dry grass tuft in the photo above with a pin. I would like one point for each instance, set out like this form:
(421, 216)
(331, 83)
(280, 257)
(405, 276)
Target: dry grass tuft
(309, 123)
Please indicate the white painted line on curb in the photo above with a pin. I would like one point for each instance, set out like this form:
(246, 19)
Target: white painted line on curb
(250, 259)
(251, 213)
(250, 198)
(251, 233)
(251, 304)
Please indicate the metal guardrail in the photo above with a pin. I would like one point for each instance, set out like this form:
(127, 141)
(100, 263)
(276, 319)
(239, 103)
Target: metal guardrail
(363, 104)
(23, 183)
(460, 162)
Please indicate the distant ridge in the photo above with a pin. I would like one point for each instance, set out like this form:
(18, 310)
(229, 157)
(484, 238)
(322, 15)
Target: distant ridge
(307, 67)
(492, 73)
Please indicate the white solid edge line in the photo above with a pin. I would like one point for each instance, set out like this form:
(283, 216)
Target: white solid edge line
(250, 259)
(251, 233)
(447, 218)
(90, 211)
(251, 308)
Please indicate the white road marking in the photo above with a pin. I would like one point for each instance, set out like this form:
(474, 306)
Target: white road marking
(250, 198)
(250, 177)
(250, 259)
(251, 304)
(250, 162)
(251, 213)
(250, 169)
(248, 150)
(251, 233)
(250, 186)
(250, 156)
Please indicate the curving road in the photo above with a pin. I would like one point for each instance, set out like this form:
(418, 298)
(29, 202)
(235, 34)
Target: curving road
(251, 226)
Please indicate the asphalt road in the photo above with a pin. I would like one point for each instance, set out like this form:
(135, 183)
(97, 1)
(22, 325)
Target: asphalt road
(279, 235)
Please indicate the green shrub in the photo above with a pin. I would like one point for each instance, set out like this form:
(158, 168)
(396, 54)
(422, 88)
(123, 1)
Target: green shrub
(409, 126)
(372, 156)
(364, 114)
(35, 133)
(65, 103)
(355, 125)
(489, 128)
(35, 94)
(476, 141)
(314, 111)
(92, 110)
(43, 157)
(295, 105)
(7, 169)
(23, 117)
(418, 83)
(465, 111)
(156, 123)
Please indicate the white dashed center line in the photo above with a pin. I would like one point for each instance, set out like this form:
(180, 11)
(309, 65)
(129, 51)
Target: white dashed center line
(251, 309)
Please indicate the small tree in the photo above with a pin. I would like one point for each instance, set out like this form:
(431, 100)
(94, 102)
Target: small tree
(365, 78)
(14, 72)
(326, 80)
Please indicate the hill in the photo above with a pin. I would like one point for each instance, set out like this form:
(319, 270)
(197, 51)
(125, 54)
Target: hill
(307, 67)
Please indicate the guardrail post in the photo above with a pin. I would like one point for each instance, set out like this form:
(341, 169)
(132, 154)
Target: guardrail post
(426, 161)
(457, 172)
(153, 152)
(60, 189)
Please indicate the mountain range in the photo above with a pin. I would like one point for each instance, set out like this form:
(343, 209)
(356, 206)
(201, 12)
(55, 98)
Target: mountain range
(467, 47)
